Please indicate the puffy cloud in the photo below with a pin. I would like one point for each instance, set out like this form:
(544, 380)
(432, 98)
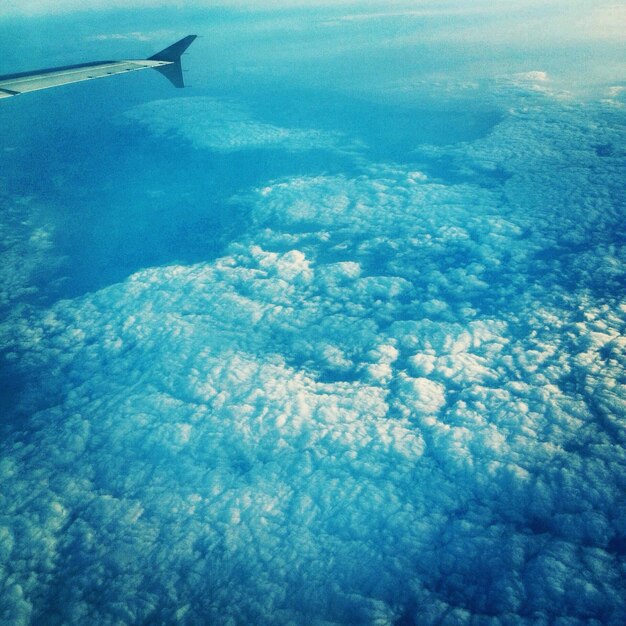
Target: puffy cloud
(394, 400)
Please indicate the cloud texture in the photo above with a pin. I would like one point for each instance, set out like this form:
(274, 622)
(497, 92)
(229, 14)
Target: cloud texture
(226, 126)
(395, 400)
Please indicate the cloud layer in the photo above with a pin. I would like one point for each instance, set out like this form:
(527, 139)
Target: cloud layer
(393, 401)
(226, 126)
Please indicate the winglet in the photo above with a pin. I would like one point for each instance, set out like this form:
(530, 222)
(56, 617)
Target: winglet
(173, 52)
(173, 71)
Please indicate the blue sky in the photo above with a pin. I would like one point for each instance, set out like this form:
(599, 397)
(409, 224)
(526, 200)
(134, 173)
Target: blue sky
(334, 336)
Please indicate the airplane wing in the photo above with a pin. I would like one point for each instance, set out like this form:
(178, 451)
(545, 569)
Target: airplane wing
(167, 62)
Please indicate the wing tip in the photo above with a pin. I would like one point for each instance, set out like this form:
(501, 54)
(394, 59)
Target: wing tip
(174, 52)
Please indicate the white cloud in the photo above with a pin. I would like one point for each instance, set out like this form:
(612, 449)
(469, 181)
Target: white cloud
(226, 126)
(132, 36)
(25, 252)
(412, 411)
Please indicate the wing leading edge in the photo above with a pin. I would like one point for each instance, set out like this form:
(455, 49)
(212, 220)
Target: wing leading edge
(167, 62)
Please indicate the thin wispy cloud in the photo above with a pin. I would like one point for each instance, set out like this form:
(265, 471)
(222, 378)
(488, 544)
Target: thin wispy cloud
(132, 36)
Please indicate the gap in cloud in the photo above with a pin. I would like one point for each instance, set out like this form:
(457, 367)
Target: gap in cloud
(126, 199)
(390, 129)
(13, 382)
(161, 216)
(447, 169)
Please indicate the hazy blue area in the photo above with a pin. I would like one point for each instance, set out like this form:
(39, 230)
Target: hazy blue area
(335, 335)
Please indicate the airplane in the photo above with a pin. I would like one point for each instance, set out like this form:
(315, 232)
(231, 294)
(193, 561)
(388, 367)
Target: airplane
(167, 62)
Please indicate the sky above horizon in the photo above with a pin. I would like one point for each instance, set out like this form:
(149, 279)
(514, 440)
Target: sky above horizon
(580, 43)
(335, 335)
